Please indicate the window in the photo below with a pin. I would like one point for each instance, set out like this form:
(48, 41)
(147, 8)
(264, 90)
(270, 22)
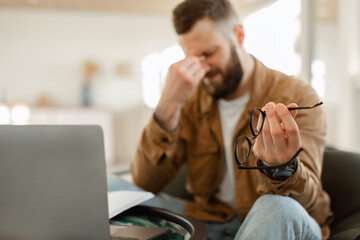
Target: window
(271, 34)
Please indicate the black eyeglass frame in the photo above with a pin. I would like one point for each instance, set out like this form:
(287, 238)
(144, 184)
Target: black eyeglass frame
(255, 134)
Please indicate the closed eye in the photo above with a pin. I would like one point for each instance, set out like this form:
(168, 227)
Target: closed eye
(210, 53)
(207, 54)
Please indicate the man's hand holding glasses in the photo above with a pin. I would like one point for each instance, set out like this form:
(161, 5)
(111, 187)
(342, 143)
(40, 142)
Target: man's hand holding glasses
(276, 138)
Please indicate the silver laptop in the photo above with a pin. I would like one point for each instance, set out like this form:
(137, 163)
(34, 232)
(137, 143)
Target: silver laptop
(52, 183)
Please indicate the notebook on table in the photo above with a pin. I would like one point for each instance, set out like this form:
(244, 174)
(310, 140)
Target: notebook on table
(53, 183)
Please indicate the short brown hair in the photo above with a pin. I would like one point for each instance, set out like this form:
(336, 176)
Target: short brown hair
(187, 13)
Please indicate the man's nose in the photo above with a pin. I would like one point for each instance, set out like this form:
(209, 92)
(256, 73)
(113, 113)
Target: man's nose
(204, 63)
(206, 67)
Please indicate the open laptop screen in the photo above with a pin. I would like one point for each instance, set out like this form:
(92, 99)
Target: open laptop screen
(52, 183)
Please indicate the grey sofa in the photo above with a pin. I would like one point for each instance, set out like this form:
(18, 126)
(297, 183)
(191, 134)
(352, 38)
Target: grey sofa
(341, 179)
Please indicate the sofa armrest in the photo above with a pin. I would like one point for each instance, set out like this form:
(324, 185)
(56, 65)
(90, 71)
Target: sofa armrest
(349, 228)
(341, 180)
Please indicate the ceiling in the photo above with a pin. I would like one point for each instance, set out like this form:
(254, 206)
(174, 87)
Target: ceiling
(132, 6)
(325, 9)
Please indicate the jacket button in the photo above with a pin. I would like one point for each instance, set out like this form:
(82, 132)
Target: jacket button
(165, 139)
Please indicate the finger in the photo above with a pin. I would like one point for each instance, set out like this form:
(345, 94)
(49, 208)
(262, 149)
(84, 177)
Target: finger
(284, 132)
(258, 147)
(290, 126)
(200, 74)
(266, 133)
(193, 69)
(293, 112)
(188, 62)
(260, 121)
(277, 133)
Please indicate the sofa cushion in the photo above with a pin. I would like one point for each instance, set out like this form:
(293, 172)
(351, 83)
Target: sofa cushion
(347, 229)
(341, 179)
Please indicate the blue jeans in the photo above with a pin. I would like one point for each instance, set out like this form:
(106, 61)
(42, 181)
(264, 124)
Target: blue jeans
(278, 217)
(271, 217)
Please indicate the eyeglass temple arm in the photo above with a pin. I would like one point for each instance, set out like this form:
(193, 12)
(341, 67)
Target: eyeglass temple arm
(297, 108)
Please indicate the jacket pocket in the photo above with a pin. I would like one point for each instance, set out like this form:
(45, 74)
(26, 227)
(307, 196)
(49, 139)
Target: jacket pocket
(203, 167)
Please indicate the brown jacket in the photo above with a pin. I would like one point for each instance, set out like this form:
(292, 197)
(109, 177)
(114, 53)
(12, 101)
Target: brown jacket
(198, 142)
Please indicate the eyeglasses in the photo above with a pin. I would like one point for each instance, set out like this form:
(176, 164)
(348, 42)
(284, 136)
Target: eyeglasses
(243, 144)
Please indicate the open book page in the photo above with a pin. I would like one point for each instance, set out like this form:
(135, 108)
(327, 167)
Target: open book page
(119, 201)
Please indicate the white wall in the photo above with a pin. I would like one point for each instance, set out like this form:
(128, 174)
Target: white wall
(348, 130)
(42, 51)
(326, 49)
(337, 43)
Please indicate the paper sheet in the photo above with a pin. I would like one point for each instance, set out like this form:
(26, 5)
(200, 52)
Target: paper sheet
(119, 201)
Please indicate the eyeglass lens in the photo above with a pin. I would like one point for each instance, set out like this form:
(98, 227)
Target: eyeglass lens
(256, 121)
(242, 149)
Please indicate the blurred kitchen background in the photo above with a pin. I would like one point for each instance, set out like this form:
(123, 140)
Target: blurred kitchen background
(104, 61)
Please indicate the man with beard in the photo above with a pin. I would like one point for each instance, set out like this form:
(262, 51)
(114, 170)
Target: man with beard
(198, 124)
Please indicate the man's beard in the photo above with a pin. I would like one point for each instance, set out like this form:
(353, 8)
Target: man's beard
(231, 78)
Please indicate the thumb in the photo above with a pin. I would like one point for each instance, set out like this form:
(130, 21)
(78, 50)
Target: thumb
(293, 112)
